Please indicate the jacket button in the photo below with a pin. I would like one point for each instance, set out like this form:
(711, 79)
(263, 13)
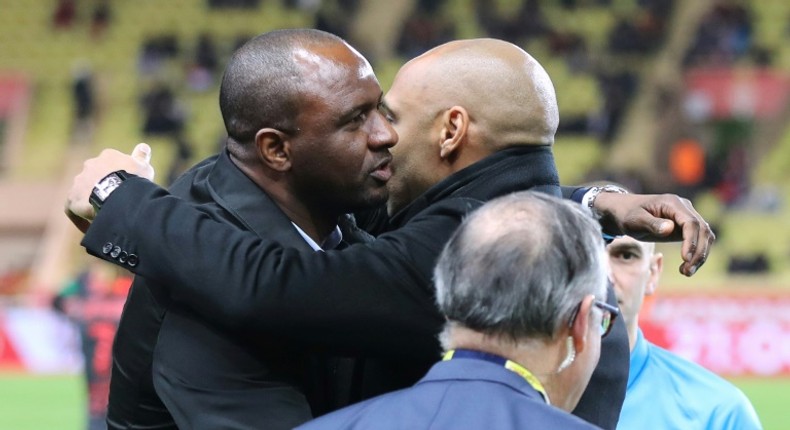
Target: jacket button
(122, 257)
(106, 248)
(116, 251)
(132, 260)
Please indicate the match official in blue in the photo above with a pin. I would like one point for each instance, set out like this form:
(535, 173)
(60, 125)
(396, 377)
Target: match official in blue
(664, 390)
(521, 284)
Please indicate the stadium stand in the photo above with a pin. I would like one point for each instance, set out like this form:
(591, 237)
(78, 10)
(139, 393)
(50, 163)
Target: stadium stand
(618, 66)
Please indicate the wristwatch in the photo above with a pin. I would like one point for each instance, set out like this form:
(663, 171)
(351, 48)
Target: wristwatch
(105, 187)
(592, 194)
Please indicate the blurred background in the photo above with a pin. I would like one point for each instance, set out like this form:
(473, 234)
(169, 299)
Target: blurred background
(688, 97)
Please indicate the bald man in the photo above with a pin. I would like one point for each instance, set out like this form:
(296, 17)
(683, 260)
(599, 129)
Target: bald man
(376, 300)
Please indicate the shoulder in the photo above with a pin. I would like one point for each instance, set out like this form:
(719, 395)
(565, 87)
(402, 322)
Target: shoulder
(451, 206)
(361, 415)
(192, 176)
(724, 400)
(687, 371)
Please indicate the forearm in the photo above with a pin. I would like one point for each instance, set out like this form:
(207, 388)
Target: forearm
(380, 293)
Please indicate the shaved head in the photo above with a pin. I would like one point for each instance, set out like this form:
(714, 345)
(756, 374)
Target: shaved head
(506, 91)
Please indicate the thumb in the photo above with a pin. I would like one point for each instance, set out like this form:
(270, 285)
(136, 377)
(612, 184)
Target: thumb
(663, 227)
(646, 226)
(142, 153)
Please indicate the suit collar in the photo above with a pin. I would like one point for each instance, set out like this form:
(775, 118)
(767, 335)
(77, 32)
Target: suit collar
(478, 370)
(509, 170)
(240, 196)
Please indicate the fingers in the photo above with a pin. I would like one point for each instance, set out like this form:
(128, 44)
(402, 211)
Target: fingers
(81, 223)
(697, 240)
(668, 217)
(142, 153)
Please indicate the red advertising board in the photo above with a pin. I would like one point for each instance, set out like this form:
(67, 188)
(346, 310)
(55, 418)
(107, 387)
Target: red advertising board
(731, 92)
(744, 333)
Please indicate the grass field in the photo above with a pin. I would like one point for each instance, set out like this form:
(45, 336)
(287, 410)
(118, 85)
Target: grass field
(56, 402)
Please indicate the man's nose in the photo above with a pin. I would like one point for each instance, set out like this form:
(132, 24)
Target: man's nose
(382, 133)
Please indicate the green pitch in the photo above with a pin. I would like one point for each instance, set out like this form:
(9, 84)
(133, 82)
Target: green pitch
(770, 399)
(58, 402)
(41, 402)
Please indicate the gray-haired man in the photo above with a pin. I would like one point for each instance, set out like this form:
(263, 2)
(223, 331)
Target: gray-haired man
(520, 284)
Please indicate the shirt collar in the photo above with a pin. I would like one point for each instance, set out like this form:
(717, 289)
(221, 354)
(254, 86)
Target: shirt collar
(330, 242)
(639, 357)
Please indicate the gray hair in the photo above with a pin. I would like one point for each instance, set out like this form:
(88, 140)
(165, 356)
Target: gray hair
(520, 265)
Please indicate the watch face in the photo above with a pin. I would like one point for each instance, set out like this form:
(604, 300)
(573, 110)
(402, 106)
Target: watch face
(107, 186)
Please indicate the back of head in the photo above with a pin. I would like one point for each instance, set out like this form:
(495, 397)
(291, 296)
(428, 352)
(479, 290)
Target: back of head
(260, 87)
(518, 267)
(507, 92)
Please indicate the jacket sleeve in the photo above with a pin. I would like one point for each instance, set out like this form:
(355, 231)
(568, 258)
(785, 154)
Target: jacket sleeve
(574, 193)
(379, 292)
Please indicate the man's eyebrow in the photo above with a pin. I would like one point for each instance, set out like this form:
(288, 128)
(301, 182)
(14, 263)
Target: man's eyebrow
(620, 247)
(356, 110)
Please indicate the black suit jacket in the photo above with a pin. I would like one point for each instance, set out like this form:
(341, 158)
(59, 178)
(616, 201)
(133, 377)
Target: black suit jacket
(374, 299)
(206, 376)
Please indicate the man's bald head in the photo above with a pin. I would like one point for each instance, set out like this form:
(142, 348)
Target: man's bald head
(506, 91)
(262, 82)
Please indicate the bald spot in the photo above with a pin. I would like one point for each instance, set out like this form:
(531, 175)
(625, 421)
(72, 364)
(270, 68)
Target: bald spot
(508, 94)
(505, 221)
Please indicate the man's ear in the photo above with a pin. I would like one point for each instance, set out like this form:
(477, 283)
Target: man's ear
(581, 325)
(455, 124)
(656, 266)
(273, 148)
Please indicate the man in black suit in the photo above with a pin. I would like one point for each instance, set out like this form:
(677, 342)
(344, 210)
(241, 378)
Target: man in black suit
(303, 149)
(479, 129)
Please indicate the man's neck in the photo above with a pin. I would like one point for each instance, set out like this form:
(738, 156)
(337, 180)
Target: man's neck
(317, 223)
(632, 327)
(539, 357)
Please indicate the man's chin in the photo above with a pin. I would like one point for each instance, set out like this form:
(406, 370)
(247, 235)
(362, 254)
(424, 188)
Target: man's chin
(394, 206)
(374, 198)
(397, 199)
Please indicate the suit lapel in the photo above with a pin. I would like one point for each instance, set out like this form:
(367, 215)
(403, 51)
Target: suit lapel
(248, 203)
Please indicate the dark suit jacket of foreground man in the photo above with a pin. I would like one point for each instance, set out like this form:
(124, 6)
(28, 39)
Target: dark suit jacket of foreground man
(374, 300)
(201, 372)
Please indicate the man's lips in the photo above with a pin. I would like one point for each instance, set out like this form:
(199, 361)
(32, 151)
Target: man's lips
(383, 170)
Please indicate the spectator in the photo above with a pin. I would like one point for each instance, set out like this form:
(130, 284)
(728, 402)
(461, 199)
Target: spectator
(94, 301)
(202, 71)
(65, 12)
(425, 28)
(84, 98)
(527, 22)
(163, 114)
(100, 18)
(155, 51)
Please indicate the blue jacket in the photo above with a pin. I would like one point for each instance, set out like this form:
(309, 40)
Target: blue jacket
(670, 392)
(463, 393)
